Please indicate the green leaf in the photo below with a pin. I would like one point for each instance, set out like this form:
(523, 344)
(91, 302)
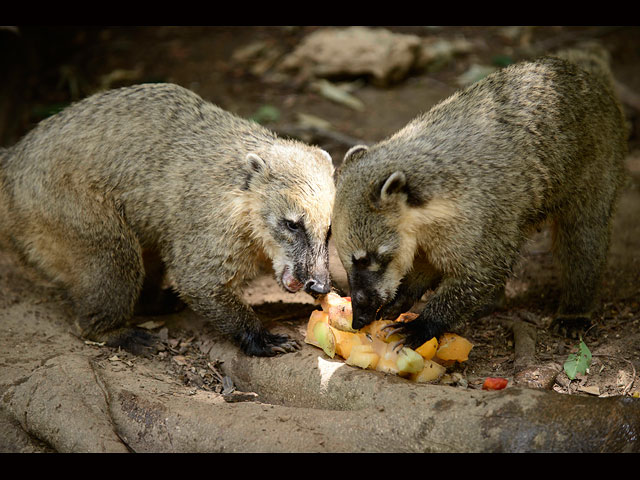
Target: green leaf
(502, 60)
(266, 114)
(578, 362)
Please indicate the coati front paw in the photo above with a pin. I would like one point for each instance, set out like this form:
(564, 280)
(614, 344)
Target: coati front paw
(266, 344)
(413, 333)
(570, 326)
(134, 340)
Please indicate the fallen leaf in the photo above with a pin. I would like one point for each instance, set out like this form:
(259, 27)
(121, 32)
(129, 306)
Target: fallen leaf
(180, 360)
(592, 390)
(151, 324)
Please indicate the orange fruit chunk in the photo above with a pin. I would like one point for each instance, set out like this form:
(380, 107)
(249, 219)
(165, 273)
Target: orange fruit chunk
(454, 347)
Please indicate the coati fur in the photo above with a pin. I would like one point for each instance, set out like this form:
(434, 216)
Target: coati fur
(155, 168)
(447, 202)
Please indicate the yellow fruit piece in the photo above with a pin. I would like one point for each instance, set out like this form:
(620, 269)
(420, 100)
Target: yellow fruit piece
(345, 341)
(428, 349)
(363, 356)
(388, 362)
(409, 361)
(429, 373)
(453, 347)
(325, 338)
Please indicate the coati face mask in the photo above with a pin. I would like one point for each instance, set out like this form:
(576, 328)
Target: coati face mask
(295, 212)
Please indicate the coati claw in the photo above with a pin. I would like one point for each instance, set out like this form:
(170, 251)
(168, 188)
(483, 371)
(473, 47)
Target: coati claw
(392, 329)
(267, 344)
(413, 334)
(397, 328)
(397, 346)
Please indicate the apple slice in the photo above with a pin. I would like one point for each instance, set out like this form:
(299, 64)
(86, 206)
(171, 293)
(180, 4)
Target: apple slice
(325, 338)
(316, 316)
(339, 310)
(409, 361)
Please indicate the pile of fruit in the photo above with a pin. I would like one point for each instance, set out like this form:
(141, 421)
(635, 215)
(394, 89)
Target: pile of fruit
(330, 329)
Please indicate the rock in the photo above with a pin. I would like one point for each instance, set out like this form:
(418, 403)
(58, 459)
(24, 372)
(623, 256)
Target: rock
(384, 56)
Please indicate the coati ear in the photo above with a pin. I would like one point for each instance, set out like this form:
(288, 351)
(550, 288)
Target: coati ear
(256, 164)
(394, 184)
(326, 155)
(354, 152)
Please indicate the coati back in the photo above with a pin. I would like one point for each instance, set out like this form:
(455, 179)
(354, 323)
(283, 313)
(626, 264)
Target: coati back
(447, 202)
(156, 168)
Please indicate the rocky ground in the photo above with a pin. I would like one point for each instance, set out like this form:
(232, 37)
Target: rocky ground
(197, 393)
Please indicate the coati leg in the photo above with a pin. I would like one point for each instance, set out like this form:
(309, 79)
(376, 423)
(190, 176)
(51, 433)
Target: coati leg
(155, 298)
(411, 289)
(85, 245)
(581, 242)
(232, 317)
(203, 292)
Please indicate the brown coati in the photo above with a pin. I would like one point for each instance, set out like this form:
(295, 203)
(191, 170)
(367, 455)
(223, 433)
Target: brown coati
(447, 202)
(155, 168)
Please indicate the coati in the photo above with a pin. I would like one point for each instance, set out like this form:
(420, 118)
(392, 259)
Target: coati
(154, 167)
(447, 202)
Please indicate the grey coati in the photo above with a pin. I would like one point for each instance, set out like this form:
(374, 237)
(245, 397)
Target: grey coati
(447, 202)
(155, 168)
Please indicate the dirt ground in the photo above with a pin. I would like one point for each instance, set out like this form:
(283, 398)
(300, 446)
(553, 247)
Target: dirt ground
(54, 67)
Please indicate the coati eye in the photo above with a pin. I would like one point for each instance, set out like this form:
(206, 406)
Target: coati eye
(293, 226)
(361, 261)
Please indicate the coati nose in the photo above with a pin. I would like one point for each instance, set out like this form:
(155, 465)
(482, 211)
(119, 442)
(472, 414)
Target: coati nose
(313, 286)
